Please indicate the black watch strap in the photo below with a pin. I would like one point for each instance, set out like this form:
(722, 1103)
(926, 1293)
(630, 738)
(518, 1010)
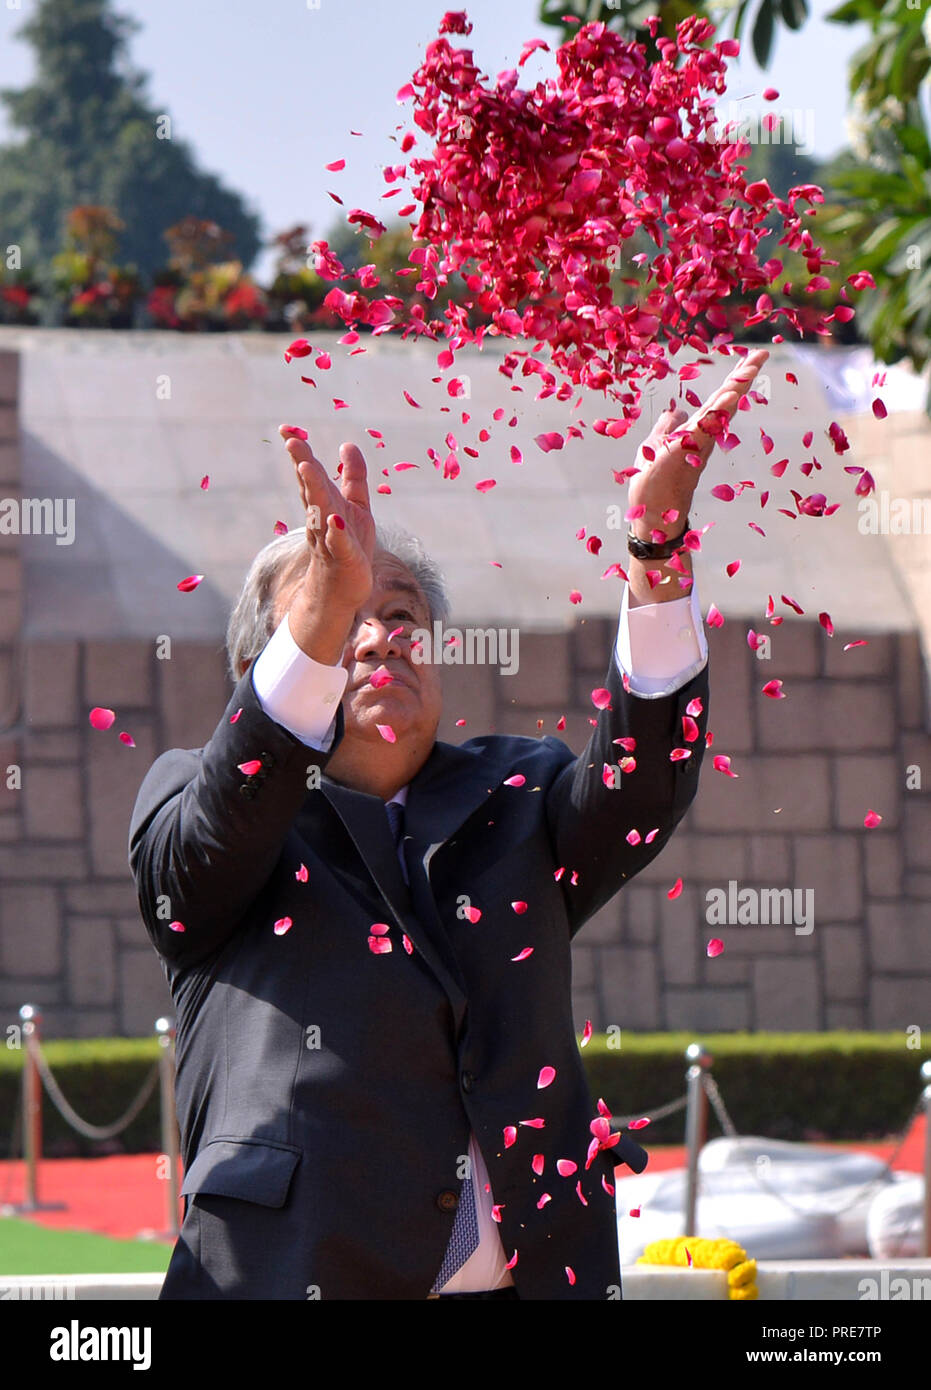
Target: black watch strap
(659, 550)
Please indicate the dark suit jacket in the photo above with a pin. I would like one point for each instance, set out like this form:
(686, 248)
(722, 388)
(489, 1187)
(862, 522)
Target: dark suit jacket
(325, 1093)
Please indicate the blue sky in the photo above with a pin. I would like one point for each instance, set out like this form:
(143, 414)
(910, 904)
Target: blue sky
(266, 93)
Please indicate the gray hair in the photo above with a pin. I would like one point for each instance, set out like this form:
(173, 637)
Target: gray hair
(252, 621)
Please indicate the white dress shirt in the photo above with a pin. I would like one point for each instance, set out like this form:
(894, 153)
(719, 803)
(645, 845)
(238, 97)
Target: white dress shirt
(660, 646)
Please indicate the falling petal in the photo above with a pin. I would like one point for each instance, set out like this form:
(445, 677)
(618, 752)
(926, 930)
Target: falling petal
(510, 1135)
(533, 1124)
(715, 946)
(527, 951)
(474, 914)
(301, 874)
(205, 482)
(638, 1124)
(283, 925)
(774, 690)
(519, 907)
(694, 708)
(546, 1078)
(570, 1274)
(496, 1211)
(715, 618)
(825, 620)
(128, 740)
(485, 485)
(632, 837)
(176, 926)
(879, 410)
(517, 780)
(722, 763)
(512, 1261)
(678, 755)
(872, 819)
(565, 1167)
(379, 945)
(192, 581)
(250, 768)
(732, 568)
(380, 677)
(406, 943)
(861, 643)
(234, 717)
(335, 167)
(580, 1194)
(675, 890)
(586, 1033)
(537, 1163)
(689, 728)
(543, 1201)
(101, 718)
(608, 1186)
(601, 698)
(387, 732)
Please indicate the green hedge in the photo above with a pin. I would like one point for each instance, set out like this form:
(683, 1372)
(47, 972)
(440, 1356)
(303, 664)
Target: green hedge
(802, 1086)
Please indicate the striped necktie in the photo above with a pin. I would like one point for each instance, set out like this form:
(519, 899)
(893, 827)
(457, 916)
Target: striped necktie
(464, 1240)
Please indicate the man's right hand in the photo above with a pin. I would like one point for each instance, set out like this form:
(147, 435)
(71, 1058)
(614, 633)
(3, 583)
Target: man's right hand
(340, 547)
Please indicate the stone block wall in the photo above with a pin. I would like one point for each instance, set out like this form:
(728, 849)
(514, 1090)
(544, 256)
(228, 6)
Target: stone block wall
(850, 736)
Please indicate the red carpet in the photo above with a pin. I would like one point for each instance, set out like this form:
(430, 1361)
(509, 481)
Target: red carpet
(123, 1196)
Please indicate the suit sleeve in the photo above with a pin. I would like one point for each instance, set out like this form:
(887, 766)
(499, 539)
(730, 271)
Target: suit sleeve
(591, 821)
(205, 837)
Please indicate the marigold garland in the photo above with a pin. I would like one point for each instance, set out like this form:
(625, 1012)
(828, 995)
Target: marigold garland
(707, 1254)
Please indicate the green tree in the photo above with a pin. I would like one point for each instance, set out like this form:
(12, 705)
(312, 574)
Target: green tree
(90, 135)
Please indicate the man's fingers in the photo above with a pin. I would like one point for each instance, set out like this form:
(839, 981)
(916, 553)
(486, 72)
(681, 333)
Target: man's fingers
(727, 395)
(352, 479)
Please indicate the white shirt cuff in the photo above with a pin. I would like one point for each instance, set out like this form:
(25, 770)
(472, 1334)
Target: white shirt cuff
(660, 646)
(297, 692)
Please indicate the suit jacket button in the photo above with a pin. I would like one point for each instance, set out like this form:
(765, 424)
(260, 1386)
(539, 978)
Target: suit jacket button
(447, 1201)
(468, 1082)
(247, 791)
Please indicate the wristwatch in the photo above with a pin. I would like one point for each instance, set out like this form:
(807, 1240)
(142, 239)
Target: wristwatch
(655, 550)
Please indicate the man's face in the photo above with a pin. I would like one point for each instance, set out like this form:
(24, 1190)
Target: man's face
(411, 703)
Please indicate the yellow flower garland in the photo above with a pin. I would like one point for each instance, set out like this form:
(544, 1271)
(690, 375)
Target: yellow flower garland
(707, 1254)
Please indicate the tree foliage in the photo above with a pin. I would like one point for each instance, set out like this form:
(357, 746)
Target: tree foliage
(88, 135)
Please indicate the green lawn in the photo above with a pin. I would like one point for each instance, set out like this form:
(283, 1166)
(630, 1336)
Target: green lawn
(28, 1248)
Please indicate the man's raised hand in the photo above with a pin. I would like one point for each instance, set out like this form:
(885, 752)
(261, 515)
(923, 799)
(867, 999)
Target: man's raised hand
(340, 547)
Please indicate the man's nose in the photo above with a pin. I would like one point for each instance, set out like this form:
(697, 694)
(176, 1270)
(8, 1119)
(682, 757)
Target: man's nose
(373, 638)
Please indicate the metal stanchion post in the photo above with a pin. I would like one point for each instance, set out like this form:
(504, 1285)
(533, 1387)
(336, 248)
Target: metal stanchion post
(696, 1128)
(926, 1097)
(165, 1032)
(32, 1114)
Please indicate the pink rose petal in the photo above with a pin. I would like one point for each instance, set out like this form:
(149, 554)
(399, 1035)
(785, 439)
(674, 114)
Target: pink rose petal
(517, 780)
(774, 690)
(379, 945)
(250, 768)
(601, 698)
(715, 946)
(128, 740)
(192, 581)
(546, 1078)
(565, 1167)
(301, 874)
(510, 1135)
(586, 1033)
(101, 718)
(387, 733)
(176, 926)
(871, 820)
(527, 951)
(638, 1124)
(283, 925)
(675, 890)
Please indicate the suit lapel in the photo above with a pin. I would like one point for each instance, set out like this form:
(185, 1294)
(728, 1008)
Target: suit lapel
(449, 787)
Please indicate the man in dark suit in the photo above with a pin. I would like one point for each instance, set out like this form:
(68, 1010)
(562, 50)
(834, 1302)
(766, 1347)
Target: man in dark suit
(379, 1087)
